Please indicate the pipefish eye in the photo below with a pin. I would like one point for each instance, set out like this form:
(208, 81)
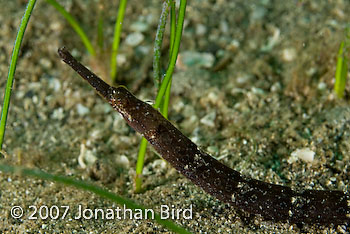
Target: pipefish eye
(150, 102)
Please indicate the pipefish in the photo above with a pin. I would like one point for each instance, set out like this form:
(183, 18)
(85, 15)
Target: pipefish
(270, 201)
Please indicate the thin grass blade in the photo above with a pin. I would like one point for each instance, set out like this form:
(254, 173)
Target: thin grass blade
(12, 68)
(75, 25)
(116, 39)
(174, 54)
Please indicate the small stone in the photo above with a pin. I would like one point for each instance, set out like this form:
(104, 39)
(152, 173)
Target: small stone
(134, 39)
(322, 86)
(35, 99)
(224, 27)
(276, 87)
(122, 161)
(58, 114)
(144, 50)
(96, 134)
(304, 154)
(258, 91)
(258, 13)
(158, 166)
(242, 79)
(213, 97)
(82, 110)
(55, 84)
(45, 63)
(56, 26)
(311, 71)
(213, 150)
(289, 54)
(201, 29)
(209, 119)
(196, 59)
(121, 59)
(139, 26)
(233, 45)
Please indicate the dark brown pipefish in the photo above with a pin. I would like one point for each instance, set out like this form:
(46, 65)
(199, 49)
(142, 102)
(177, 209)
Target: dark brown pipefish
(272, 202)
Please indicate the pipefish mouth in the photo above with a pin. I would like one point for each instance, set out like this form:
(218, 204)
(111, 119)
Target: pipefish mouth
(272, 202)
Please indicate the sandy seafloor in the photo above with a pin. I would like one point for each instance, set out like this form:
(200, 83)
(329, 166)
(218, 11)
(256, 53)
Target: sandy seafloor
(253, 83)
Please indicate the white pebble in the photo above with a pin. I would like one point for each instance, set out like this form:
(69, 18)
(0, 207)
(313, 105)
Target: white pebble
(276, 87)
(56, 26)
(46, 63)
(58, 114)
(304, 154)
(289, 54)
(82, 110)
(159, 163)
(55, 84)
(96, 134)
(134, 39)
(233, 45)
(121, 59)
(197, 59)
(139, 26)
(201, 29)
(321, 86)
(209, 119)
(123, 161)
(242, 79)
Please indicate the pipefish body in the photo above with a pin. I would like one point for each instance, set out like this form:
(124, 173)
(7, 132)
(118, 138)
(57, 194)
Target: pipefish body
(272, 202)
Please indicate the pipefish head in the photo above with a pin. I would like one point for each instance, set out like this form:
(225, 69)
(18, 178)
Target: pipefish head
(139, 115)
(120, 98)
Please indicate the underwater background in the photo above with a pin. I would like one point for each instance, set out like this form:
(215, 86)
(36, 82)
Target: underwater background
(253, 85)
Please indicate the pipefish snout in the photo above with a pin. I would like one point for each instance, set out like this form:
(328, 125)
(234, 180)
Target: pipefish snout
(272, 202)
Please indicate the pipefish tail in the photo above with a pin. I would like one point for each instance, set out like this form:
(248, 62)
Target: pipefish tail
(272, 202)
